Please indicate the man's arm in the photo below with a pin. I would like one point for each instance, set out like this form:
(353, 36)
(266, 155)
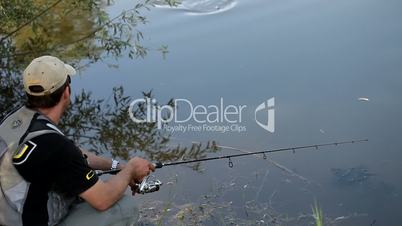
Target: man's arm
(102, 195)
(98, 162)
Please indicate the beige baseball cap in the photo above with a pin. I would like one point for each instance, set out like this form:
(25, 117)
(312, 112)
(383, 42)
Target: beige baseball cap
(46, 74)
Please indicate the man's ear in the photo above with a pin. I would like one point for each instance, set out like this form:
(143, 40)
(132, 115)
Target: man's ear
(67, 92)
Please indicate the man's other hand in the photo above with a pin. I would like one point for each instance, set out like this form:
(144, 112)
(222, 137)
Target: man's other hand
(140, 168)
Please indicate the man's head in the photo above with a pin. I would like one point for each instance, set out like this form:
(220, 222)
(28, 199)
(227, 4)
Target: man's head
(47, 82)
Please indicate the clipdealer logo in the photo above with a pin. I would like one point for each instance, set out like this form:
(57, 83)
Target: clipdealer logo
(200, 118)
(269, 107)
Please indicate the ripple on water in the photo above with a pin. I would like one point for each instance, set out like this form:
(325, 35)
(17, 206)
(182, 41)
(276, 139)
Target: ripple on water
(200, 7)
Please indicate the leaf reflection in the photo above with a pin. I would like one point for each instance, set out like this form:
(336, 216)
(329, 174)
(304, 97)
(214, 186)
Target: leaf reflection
(82, 33)
(105, 127)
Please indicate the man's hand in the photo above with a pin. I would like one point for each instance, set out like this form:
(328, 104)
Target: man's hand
(103, 195)
(135, 181)
(140, 169)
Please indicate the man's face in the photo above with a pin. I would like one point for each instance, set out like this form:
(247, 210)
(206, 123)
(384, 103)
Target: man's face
(67, 92)
(68, 100)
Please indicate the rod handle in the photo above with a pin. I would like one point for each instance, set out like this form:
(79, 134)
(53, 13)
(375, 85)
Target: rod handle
(158, 165)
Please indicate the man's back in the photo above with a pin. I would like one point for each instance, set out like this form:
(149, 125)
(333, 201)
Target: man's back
(48, 163)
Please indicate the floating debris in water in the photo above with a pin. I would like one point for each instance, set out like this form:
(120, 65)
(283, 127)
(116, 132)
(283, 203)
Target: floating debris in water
(351, 176)
(363, 99)
(340, 218)
(206, 213)
(287, 181)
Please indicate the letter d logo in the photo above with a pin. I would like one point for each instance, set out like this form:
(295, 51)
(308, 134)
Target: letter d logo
(269, 107)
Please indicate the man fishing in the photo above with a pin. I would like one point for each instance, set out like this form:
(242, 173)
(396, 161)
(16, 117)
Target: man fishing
(42, 172)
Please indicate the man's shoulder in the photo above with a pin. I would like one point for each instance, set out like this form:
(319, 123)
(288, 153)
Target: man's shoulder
(52, 138)
(43, 148)
(54, 142)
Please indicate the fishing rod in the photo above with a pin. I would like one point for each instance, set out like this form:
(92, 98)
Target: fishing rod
(316, 146)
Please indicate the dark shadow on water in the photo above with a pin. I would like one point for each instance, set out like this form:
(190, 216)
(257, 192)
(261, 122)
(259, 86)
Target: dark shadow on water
(351, 176)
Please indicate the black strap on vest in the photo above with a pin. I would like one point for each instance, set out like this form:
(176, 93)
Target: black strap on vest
(38, 123)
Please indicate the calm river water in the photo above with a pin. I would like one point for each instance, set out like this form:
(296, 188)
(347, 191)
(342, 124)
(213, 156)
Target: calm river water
(316, 58)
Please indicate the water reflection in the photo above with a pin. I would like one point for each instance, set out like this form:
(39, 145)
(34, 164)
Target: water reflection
(35, 29)
(105, 126)
(201, 7)
(81, 33)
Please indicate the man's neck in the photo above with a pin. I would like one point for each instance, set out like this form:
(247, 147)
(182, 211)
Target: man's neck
(54, 113)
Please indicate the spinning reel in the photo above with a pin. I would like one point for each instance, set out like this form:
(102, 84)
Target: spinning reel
(148, 186)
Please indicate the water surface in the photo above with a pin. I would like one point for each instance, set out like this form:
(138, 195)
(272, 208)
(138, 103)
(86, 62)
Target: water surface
(316, 57)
